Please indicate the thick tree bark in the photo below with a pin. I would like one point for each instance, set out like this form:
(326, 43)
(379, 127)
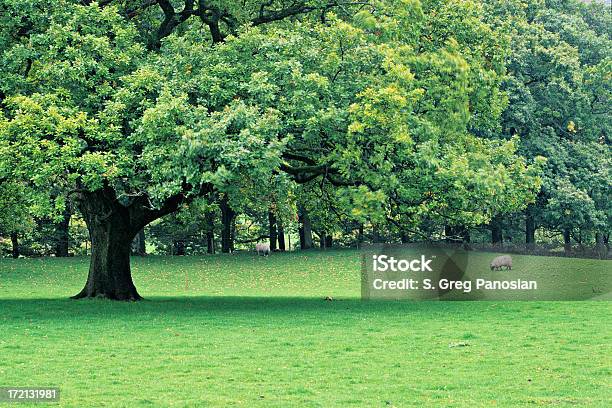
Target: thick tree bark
(281, 236)
(305, 229)
(272, 230)
(567, 241)
(530, 228)
(62, 235)
(139, 244)
(110, 275)
(329, 241)
(15, 244)
(227, 219)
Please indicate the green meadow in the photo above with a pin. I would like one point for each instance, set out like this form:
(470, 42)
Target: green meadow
(242, 330)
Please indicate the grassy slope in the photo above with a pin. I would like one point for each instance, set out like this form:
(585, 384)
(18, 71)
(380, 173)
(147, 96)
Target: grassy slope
(255, 332)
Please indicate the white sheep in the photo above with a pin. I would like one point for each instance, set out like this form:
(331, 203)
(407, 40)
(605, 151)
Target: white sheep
(263, 249)
(504, 260)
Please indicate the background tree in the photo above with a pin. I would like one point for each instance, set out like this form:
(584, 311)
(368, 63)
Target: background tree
(558, 85)
(15, 217)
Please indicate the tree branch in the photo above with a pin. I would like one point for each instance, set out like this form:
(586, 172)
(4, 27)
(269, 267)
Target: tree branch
(268, 16)
(298, 157)
(171, 19)
(142, 212)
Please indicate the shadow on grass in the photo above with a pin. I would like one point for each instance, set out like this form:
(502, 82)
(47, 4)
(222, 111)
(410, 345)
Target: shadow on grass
(59, 308)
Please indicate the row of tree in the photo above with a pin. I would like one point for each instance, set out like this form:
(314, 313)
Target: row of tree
(411, 119)
(197, 230)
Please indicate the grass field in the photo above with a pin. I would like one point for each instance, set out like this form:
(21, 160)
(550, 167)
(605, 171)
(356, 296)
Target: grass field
(238, 330)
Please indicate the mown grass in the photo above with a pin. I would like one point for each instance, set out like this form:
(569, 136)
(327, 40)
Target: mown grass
(248, 331)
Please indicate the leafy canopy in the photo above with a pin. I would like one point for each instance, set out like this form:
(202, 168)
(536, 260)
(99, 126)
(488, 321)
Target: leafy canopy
(389, 105)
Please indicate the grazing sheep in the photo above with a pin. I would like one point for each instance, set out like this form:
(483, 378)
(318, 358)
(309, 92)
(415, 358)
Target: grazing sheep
(263, 249)
(504, 260)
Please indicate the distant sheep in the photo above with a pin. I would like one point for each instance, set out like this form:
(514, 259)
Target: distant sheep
(504, 260)
(262, 249)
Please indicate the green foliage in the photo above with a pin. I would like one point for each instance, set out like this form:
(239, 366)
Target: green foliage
(405, 110)
(14, 214)
(57, 79)
(559, 88)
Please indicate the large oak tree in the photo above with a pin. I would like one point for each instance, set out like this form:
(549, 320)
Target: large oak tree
(137, 109)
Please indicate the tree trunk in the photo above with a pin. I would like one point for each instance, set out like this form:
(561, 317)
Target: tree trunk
(62, 235)
(15, 243)
(281, 236)
(179, 247)
(272, 230)
(233, 234)
(496, 230)
(139, 244)
(581, 247)
(360, 236)
(227, 219)
(210, 242)
(567, 241)
(466, 238)
(322, 240)
(600, 246)
(465, 234)
(112, 227)
(530, 228)
(111, 238)
(458, 234)
(452, 234)
(210, 233)
(376, 236)
(329, 241)
(448, 233)
(305, 229)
